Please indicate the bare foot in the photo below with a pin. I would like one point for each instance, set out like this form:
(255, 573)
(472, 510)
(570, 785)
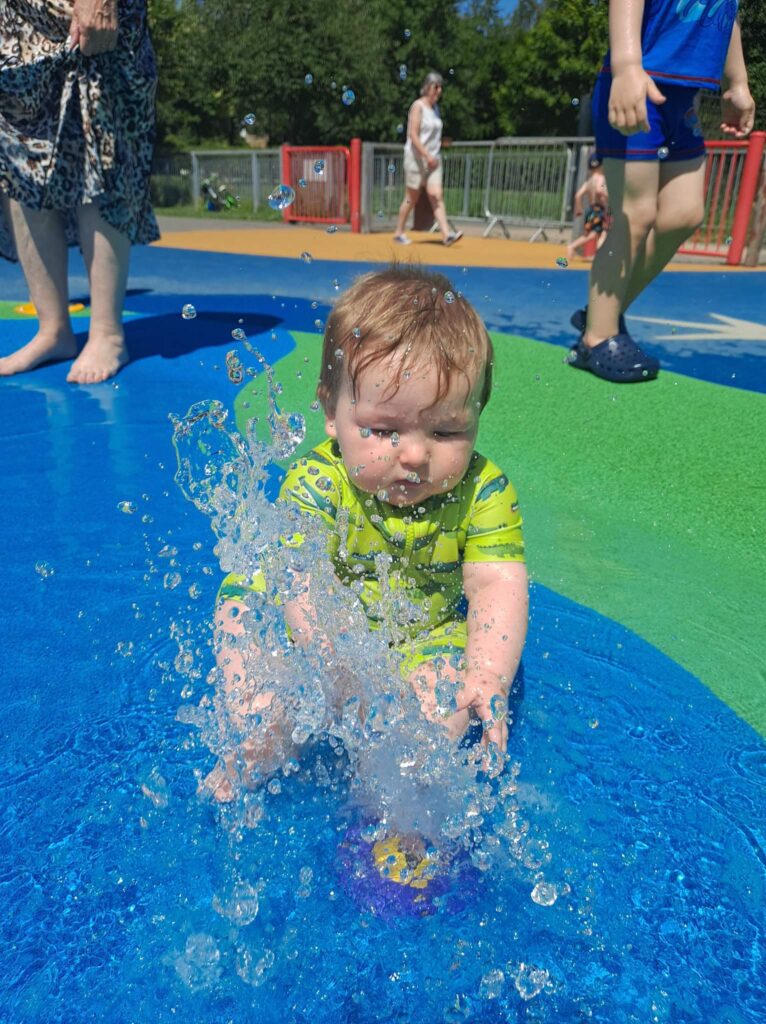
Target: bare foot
(43, 348)
(218, 785)
(101, 358)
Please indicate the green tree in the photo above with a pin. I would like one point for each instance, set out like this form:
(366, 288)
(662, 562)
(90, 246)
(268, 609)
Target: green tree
(752, 14)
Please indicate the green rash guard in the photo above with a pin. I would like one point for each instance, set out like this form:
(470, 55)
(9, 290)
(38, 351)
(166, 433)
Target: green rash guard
(427, 545)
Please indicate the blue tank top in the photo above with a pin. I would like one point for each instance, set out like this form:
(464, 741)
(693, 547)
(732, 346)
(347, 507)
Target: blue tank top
(685, 41)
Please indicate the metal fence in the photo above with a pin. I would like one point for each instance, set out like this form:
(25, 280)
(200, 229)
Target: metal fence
(249, 174)
(527, 182)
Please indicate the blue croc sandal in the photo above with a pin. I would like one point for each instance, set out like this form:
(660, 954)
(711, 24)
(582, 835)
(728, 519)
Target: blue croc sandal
(579, 318)
(618, 359)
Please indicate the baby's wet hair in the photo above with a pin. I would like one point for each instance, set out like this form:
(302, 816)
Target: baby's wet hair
(407, 310)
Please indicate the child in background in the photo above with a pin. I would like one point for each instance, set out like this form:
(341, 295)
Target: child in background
(406, 372)
(662, 52)
(594, 192)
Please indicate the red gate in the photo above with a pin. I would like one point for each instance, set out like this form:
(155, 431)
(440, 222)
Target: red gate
(731, 182)
(326, 181)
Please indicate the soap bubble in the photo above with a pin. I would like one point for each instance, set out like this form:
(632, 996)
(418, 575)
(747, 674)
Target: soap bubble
(309, 79)
(318, 324)
(188, 312)
(348, 97)
(319, 167)
(282, 197)
(452, 71)
(301, 182)
(407, 33)
(331, 229)
(238, 334)
(306, 257)
(392, 168)
(575, 102)
(449, 297)
(729, 240)
(335, 283)
(128, 507)
(402, 72)
(248, 120)
(663, 152)
(399, 129)
(562, 261)
(44, 569)
(357, 332)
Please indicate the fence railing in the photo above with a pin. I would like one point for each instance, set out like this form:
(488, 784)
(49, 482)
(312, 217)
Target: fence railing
(527, 182)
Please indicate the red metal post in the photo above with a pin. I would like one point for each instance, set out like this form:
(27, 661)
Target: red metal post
(355, 186)
(747, 188)
(285, 153)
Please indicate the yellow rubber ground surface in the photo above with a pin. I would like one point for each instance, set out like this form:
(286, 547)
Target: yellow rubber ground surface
(427, 248)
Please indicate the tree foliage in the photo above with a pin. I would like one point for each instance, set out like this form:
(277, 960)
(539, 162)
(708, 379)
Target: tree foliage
(222, 59)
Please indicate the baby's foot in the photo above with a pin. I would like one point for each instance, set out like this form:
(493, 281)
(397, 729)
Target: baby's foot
(43, 348)
(101, 358)
(217, 785)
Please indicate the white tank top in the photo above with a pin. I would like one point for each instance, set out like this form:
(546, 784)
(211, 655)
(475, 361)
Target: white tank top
(430, 135)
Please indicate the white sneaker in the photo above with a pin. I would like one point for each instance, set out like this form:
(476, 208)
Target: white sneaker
(452, 237)
(402, 240)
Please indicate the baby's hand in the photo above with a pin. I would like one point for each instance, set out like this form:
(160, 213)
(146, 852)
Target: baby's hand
(488, 695)
(627, 100)
(737, 111)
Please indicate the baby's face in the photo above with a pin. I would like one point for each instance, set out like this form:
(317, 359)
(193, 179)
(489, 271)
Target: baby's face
(399, 445)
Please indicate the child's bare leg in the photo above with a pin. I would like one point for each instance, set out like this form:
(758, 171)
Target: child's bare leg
(42, 249)
(680, 210)
(577, 244)
(408, 205)
(633, 196)
(106, 252)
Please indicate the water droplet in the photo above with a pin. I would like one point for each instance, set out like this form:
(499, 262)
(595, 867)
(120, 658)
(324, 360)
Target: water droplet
(171, 580)
(395, 440)
(331, 229)
(364, 432)
(333, 85)
(413, 477)
(338, 353)
(357, 332)
(575, 102)
(248, 120)
(309, 79)
(314, 405)
(306, 257)
(238, 334)
(381, 214)
(663, 152)
(382, 494)
(562, 261)
(318, 324)
(348, 97)
(335, 283)
(188, 312)
(451, 71)
(545, 894)
(729, 240)
(407, 33)
(402, 72)
(274, 787)
(399, 128)
(301, 182)
(128, 507)
(392, 168)
(449, 298)
(319, 167)
(593, 723)
(44, 569)
(282, 197)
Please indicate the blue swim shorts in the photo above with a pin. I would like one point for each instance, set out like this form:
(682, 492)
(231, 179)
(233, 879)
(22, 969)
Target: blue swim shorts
(674, 132)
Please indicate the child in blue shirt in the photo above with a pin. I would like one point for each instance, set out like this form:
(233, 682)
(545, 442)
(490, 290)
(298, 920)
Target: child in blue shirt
(662, 52)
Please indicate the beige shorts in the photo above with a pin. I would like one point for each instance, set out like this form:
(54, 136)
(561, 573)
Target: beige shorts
(417, 174)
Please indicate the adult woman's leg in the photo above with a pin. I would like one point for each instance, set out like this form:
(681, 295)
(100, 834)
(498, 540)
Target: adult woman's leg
(633, 191)
(440, 214)
(408, 204)
(107, 257)
(42, 250)
(680, 210)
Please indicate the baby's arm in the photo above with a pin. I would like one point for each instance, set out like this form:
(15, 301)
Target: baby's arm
(630, 83)
(737, 106)
(498, 606)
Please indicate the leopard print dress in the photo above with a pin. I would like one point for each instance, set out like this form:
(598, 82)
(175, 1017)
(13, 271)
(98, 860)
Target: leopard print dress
(76, 129)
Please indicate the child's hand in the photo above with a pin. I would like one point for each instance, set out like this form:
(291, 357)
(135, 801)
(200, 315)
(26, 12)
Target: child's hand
(488, 695)
(737, 111)
(627, 100)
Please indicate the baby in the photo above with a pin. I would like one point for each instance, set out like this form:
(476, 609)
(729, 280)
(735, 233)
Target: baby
(406, 372)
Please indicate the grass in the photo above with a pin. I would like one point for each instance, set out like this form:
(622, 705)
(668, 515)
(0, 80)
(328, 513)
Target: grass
(243, 211)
